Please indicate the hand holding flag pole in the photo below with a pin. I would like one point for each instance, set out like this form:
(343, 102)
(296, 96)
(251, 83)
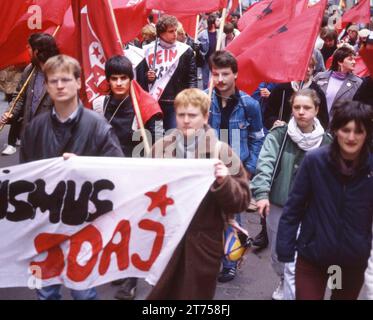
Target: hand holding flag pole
(20, 93)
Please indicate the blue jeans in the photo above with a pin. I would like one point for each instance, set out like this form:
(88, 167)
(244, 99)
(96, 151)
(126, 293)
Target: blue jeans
(227, 263)
(53, 293)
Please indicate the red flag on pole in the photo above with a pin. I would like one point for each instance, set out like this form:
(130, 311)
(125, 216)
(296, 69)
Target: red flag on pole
(286, 62)
(267, 13)
(147, 104)
(13, 48)
(187, 7)
(264, 18)
(359, 13)
(131, 16)
(97, 38)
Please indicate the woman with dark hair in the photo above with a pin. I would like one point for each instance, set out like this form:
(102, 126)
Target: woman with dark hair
(282, 152)
(331, 200)
(339, 82)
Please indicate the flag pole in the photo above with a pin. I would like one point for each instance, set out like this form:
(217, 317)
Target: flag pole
(218, 43)
(20, 93)
(240, 6)
(132, 91)
(139, 119)
(197, 26)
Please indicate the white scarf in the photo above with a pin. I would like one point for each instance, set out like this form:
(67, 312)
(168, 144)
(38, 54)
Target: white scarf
(301, 85)
(306, 141)
(168, 58)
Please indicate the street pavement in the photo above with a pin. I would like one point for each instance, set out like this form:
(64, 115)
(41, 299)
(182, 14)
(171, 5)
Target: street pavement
(255, 279)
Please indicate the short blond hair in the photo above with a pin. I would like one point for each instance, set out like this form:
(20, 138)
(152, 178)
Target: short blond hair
(195, 97)
(62, 63)
(149, 30)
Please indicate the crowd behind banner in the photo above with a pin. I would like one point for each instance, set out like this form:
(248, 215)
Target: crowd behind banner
(298, 148)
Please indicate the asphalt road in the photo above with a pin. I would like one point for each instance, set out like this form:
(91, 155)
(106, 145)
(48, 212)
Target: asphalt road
(255, 279)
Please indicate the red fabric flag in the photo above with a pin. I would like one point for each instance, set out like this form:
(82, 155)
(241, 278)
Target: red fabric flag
(98, 41)
(13, 49)
(267, 13)
(300, 7)
(286, 62)
(187, 7)
(147, 104)
(189, 24)
(264, 18)
(359, 13)
(10, 12)
(361, 69)
(367, 55)
(131, 16)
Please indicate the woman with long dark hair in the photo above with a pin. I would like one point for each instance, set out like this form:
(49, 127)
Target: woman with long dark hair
(331, 200)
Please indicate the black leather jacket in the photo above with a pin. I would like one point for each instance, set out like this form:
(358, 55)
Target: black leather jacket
(88, 134)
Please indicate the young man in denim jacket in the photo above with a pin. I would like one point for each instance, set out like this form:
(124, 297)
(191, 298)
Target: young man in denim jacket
(237, 119)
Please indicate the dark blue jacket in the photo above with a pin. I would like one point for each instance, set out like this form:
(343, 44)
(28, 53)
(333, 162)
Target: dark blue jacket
(335, 215)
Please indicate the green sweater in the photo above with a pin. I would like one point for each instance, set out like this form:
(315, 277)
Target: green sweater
(291, 159)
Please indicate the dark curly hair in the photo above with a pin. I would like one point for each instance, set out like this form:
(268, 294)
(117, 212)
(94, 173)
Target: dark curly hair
(45, 45)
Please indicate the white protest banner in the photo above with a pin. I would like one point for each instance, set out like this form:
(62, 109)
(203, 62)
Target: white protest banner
(90, 220)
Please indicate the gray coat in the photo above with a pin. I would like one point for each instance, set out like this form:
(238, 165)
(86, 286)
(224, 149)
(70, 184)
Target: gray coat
(347, 90)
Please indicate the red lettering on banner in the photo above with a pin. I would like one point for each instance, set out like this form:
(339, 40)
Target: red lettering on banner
(150, 59)
(54, 263)
(120, 249)
(158, 228)
(89, 234)
(159, 57)
(173, 54)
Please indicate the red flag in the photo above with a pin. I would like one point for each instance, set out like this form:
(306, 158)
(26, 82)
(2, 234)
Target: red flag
(147, 104)
(189, 24)
(264, 18)
(13, 49)
(286, 62)
(300, 7)
(98, 41)
(10, 12)
(367, 55)
(361, 69)
(187, 7)
(131, 16)
(359, 13)
(267, 13)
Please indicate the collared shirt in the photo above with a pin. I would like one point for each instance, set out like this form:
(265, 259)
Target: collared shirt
(68, 120)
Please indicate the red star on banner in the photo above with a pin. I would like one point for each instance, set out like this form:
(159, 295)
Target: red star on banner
(159, 200)
(96, 52)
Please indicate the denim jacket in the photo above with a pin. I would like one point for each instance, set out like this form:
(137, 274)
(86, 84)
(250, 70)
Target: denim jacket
(245, 132)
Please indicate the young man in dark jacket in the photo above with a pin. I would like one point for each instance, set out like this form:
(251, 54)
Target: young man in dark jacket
(172, 70)
(67, 128)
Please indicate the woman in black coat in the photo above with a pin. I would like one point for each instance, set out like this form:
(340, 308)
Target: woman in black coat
(279, 107)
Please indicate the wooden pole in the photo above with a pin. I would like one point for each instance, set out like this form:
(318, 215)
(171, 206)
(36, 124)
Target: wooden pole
(197, 25)
(218, 43)
(139, 119)
(14, 102)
